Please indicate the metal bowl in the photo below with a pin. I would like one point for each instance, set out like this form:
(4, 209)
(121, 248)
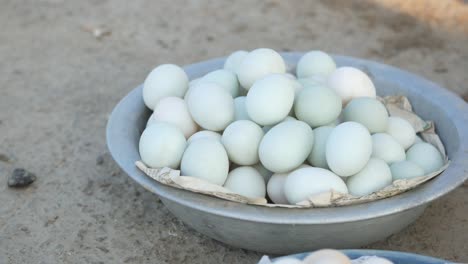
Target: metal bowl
(396, 257)
(283, 230)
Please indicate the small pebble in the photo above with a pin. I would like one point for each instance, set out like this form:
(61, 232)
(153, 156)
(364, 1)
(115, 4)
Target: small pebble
(21, 178)
(100, 160)
(4, 158)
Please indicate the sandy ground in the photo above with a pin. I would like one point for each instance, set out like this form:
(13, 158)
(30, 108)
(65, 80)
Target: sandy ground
(59, 84)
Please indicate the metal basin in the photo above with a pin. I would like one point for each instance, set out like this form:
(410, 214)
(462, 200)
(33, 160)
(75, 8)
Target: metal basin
(396, 257)
(284, 231)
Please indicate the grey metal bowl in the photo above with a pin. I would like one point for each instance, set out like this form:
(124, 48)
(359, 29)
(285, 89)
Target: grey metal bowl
(396, 257)
(284, 231)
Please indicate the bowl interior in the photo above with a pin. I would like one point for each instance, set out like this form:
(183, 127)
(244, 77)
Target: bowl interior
(429, 101)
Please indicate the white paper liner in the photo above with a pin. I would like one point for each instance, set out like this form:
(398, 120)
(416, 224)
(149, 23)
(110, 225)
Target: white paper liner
(396, 106)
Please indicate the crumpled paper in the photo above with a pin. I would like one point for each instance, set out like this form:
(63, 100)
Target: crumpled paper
(396, 106)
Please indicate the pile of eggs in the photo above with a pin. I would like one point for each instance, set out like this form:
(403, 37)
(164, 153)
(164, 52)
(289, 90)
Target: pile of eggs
(258, 130)
(330, 256)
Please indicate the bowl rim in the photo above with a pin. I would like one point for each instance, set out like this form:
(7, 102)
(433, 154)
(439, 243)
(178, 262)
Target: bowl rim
(356, 253)
(448, 102)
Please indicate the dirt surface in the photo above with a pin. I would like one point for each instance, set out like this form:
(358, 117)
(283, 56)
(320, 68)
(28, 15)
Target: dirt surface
(59, 83)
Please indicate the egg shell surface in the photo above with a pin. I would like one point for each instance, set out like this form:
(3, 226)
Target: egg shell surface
(163, 81)
(270, 99)
(306, 182)
(369, 112)
(206, 159)
(286, 146)
(315, 62)
(240, 111)
(234, 60)
(402, 131)
(385, 147)
(204, 134)
(348, 149)
(241, 139)
(210, 106)
(349, 83)
(405, 170)
(317, 156)
(373, 177)
(317, 106)
(174, 110)
(426, 156)
(225, 79)
(257, 64)
(162, 145)
(246, 181)
(327, 256)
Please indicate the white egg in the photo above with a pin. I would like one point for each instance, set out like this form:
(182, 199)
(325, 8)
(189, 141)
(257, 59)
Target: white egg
(317, 156)
(306, 182)
(206, 159)
(204, 134)
(374, 176)
(317, 106)
(275, 186)
(194, 81)
(349, 147)
(270, 99)
(286, 146)
(385, 147)
(258, 64)
(174, 110)
(263, 171)
(402, 131)
(150, 121)
(165, 80)
(234, 60)
(211, 107)
(405, 170)
(370, 112)
(287, 261)
(313, 80)
(225, 79)
(327, 256)
(426, 156)
(349, 83)
(288, 118)
(315, 63)
(240, 111)
(162, 145)
(241, 140)
(246, 181)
